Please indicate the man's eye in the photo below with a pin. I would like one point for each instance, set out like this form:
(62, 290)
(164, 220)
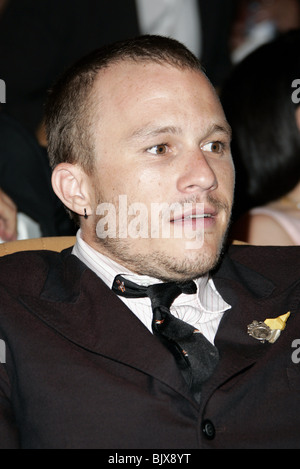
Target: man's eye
(214, 147)
(158, 149)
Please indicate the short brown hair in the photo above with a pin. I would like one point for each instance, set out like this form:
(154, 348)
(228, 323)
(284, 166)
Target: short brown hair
(69, 115)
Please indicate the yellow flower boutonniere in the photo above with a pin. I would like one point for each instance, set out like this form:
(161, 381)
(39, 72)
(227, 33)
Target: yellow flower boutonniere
(268, 330)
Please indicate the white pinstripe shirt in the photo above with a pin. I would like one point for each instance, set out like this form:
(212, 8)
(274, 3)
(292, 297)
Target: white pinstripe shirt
(203, 310)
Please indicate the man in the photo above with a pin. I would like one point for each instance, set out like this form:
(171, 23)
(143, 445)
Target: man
(140, 150)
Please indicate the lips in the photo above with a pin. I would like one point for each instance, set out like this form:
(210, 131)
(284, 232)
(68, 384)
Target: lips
(204, 212)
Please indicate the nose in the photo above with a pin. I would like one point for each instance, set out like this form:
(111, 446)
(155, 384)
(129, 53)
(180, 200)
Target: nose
(196, 174)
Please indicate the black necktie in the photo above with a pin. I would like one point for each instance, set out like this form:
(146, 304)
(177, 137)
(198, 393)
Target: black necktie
(194, 354)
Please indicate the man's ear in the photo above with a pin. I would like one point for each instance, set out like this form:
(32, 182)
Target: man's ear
(70, 184)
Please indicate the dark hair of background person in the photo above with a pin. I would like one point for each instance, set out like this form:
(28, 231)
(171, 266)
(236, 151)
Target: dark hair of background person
(257, 100)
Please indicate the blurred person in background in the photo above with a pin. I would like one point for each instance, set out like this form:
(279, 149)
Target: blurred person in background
(38, 40)
(8, 218)
(262, 108)
(25, 178)
(259, 21)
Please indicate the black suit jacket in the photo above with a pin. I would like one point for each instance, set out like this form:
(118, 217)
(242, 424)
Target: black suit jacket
(82, 371)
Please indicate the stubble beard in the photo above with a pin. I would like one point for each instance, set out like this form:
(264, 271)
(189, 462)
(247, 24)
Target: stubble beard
(155, 262)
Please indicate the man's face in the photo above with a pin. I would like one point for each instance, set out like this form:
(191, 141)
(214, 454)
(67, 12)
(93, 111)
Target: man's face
(162, 147)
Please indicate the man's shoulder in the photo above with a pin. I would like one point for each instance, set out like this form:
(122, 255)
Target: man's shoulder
(26, 271)
(247, 252)
(277, 262)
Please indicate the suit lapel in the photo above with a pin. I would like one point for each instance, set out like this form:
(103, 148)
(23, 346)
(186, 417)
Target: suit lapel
(249, 294)
(79, 306)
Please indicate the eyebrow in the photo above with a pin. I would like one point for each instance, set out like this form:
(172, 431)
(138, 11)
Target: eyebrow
(151, 131)
(217, 128)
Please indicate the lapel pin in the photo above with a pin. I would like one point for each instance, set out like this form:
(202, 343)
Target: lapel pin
(268, 330)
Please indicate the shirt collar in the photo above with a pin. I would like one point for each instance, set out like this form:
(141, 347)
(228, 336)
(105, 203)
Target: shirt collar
(107, 269)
